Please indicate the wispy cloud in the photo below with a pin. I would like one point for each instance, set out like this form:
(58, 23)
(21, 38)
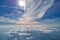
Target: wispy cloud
(10, 13)
(52, 20)
(3, 19)
(36, 10)
(42, 28)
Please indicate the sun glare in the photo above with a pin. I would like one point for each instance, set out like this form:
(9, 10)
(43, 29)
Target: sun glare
(22, 3)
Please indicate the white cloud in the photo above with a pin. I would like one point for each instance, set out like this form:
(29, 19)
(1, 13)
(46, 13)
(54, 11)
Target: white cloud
(32, 14)
(24, 33)
(12, 14)
(3, 19)
(22, 28)
(9, 6)
(52, 20)
(29, 38)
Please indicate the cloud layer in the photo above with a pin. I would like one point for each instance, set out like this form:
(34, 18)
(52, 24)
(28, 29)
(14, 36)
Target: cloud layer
(35, 10)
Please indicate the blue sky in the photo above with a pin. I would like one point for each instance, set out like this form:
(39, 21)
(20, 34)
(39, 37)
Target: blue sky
(53, 14)
(9, 12)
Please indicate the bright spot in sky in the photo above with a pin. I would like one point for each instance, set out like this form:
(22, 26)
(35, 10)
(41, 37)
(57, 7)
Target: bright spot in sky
(22, 3)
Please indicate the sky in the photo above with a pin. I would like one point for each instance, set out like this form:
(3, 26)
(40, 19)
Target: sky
(46, 13)
(11, 12)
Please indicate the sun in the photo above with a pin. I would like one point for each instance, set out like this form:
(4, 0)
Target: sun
(22, 3)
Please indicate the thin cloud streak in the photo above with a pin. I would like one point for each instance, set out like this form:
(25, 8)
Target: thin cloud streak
(36, 10)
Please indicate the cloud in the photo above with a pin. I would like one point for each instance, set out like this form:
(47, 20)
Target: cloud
(29, 38)
(13, 12)
(10, 13)
(32, 12)
(36, 10)
(24, 33)
(3, 19)
(21, 28)
(52, 20)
